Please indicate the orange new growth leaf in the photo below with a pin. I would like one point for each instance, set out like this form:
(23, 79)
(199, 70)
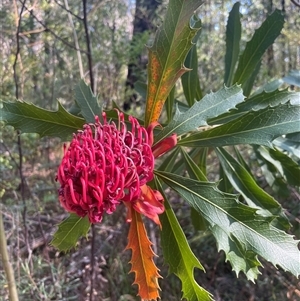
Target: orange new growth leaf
(146, 272)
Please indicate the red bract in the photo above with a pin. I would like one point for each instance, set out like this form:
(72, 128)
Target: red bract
(108, 163)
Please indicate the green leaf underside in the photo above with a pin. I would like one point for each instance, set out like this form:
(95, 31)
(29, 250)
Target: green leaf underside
(179, 256)
(255, 127)
(254, 195)
(270, 173)
(256, 47)
(293, 78)
(69, 231)
(196, 173)
(87, 102)
(288, 145)
(233, 37)
(29, 118)
(286, 166)
(211, 105)
(239, 223)
(172, 42)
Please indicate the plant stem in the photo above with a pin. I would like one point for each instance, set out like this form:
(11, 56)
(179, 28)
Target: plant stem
(13, 293)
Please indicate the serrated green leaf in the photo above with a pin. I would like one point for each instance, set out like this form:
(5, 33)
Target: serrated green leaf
(190, 80)
(240, 223)
(172, 42)
(256, 127)
(265, 99)
(256, 47)
(29, 118)
(241, 260)
(255, 196)
(69, 231)
(286, 166)
(268, 87)
(87, 102)
(233, 37)
(288, 145)
(270, 173)
(293, 78)
(211, 105)
(258, 102)
(179, 256)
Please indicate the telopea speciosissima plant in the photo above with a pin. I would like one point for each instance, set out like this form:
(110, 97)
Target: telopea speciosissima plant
(110, 161)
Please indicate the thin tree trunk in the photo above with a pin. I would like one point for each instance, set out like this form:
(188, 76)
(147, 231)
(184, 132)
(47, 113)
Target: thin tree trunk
(143, 21)
(9, 272)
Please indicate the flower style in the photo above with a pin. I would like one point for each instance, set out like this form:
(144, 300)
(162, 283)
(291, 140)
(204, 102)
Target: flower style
(106, 164)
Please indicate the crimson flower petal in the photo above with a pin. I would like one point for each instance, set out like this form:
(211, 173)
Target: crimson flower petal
(150, 203)
(164, 146)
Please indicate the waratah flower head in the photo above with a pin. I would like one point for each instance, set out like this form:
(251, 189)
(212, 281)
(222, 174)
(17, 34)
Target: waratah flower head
(105, 163)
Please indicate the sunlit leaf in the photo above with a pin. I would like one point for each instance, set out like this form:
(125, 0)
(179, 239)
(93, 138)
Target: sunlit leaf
(256, 127)
(69, 231)
(258, 102)
(29, 118)
(211, 105)
(172, 42)
(238, 223)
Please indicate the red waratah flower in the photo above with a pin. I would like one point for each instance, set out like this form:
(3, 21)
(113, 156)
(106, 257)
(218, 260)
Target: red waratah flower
(106, 164)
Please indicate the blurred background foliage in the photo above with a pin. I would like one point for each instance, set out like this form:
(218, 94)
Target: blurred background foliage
(52, 57)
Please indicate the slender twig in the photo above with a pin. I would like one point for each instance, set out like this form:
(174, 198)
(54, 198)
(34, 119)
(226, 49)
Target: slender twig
(10, 155)
(75, 39)
(66, 8)
(19, 142)
(92, 261)
(88, 45)
(18, 50)
(29, 32)
(13, 293)
(89, 57)
(296, 3)
(51, 31)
